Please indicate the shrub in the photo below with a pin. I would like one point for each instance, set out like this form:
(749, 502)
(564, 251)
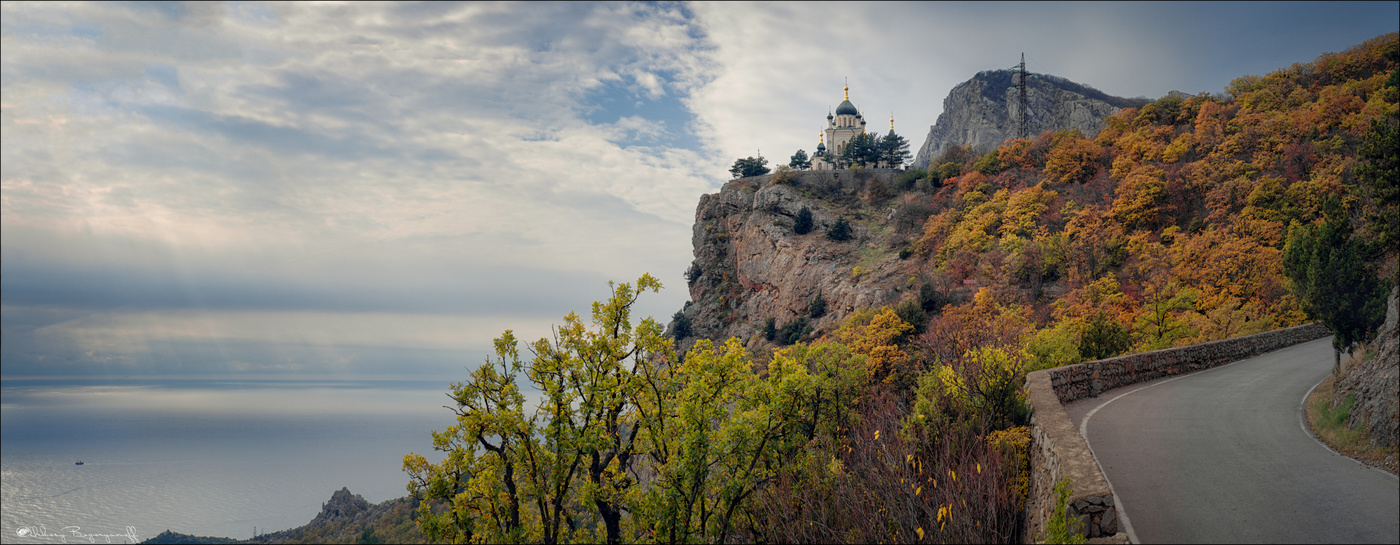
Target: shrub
(770, 329)
(1061, 528)
(876, 191)
(935, 179)
(818, 307)
(1103, 337)
(910, 217)
(784, 175)
(949, 170)
(803, 224)
(682, 329)
(912, 312)
(1053, 347)
(692, 274)
(794, 331)
(1013, 444)
(906, 180)
(989, 164)
(930, 299)
(840, 231)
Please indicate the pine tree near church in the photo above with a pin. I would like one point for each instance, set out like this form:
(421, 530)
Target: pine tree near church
(893, 150)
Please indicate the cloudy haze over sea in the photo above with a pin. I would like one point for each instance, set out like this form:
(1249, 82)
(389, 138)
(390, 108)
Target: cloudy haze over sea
(369, 189)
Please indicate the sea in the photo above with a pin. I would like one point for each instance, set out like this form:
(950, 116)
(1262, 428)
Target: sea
(223, 457)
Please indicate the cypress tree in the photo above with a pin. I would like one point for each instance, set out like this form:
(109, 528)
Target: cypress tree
(840, 232)
(803, 225)
(1331, 279)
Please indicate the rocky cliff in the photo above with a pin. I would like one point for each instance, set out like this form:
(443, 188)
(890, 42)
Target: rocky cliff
(984, 111)
(751, 265)
(1375, 382)
(349, 518)
(346, 518)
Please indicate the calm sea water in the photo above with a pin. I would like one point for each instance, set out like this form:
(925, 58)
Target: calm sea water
(215, 458)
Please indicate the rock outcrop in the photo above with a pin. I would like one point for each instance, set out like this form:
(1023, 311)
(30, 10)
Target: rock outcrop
(1376, 383)
(752, 266)
(984, 111)
(343, 505)
(349, 518)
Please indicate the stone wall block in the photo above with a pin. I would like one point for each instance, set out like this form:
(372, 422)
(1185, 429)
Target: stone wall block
(1109, 523)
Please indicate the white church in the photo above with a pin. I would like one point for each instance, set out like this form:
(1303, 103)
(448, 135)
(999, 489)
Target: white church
(840, 129)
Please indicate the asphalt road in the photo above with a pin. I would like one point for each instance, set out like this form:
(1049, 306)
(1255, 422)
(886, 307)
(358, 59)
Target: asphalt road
(1224, 456)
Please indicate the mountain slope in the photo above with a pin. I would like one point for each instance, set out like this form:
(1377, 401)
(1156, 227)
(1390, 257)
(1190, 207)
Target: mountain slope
(1165, 228)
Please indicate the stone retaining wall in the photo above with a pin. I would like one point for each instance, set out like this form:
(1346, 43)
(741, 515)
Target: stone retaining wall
(1058, 451)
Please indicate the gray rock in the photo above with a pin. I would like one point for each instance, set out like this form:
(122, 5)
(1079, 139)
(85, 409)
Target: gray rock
(343, 505)
(1109, 523)
(1376, 383)
(983, 112)
(753, 266)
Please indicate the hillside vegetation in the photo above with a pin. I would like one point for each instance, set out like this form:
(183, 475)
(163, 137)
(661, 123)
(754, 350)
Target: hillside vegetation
(907, 422)
(1169, 227)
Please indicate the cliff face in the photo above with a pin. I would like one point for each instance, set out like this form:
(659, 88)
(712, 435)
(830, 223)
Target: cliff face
(349, 518)
(983, 112)
(753, 266)
(1376, 383)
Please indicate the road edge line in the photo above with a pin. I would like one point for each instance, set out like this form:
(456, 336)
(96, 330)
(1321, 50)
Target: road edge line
(1303, 423)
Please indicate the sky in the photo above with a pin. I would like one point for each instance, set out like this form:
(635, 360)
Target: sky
(379, 190)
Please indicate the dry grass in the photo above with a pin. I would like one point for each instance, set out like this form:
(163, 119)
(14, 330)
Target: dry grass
(1328, 421)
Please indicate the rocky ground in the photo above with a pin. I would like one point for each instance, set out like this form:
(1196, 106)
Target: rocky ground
(1372, 375)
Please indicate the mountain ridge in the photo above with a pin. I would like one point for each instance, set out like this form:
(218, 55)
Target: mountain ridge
(982, 111)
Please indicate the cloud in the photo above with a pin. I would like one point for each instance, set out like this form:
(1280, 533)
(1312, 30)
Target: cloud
(305, 163)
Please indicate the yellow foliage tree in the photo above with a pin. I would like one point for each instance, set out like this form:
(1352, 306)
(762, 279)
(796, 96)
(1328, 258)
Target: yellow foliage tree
(1073, 160)
(877, 336)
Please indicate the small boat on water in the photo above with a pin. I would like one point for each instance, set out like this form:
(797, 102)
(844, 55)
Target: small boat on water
(80, 462)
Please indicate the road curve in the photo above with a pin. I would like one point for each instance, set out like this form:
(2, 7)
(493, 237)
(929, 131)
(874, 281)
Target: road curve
(1223, 456)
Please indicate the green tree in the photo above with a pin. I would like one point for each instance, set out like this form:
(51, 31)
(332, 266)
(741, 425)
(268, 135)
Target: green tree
(749, 166)
(1380, 175)
(682, 321)
(1158, 321)
(803, 223)
(800, 161)
(840, 231)
(711, 438)
(1332, 280)
(989, 164)
(818, 307)
(1103, 337)
(945, 171)
(861, 149)
(893, 150)
(559, 471)
(794, 331)
(626, 443)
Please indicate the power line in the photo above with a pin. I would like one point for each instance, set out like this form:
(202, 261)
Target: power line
(1021, 90)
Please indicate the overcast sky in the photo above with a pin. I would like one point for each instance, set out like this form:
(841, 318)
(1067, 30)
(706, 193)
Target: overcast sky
(381, 189)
